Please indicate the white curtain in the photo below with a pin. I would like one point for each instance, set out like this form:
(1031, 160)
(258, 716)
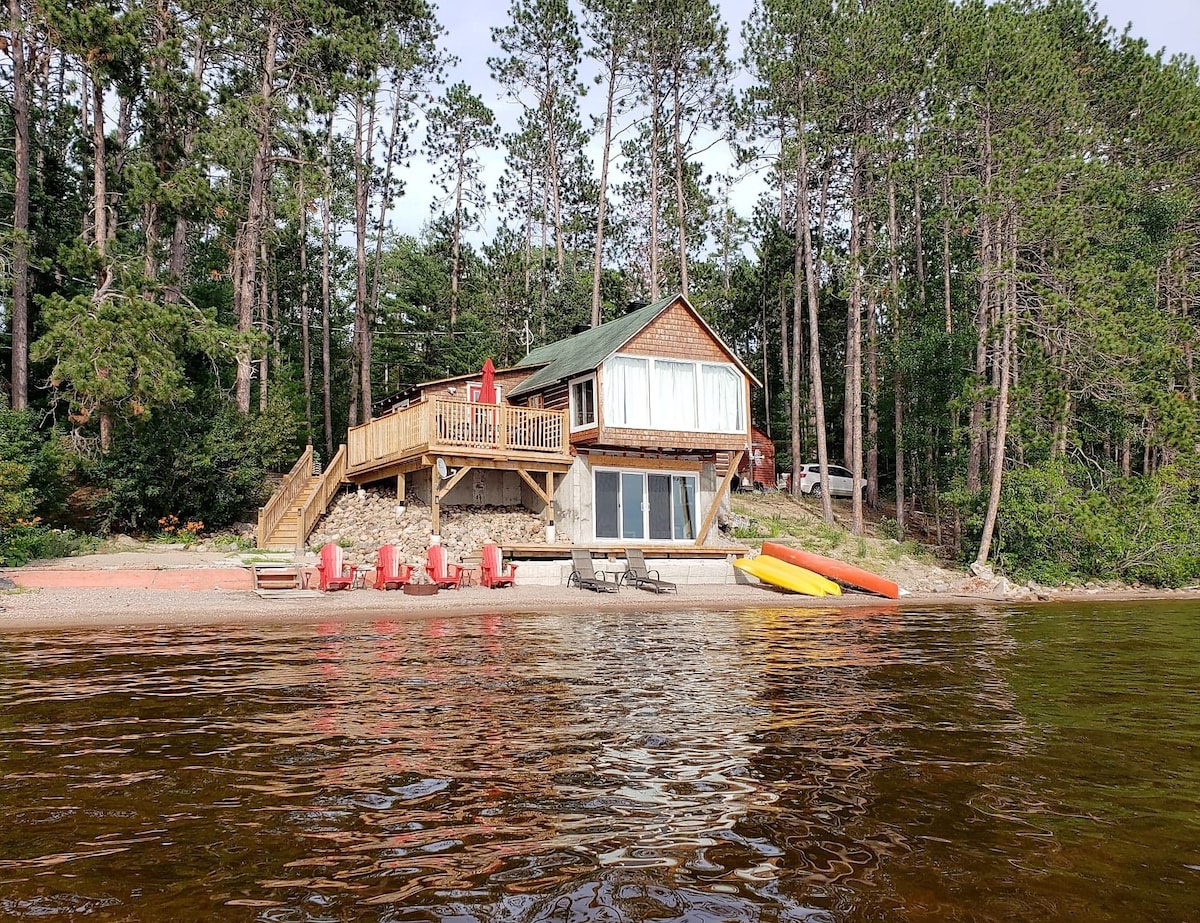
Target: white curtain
(721, 409)
(674, 392)
(627, 392)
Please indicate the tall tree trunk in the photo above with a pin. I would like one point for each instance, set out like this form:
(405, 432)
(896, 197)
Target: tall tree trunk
(983, 318)
(854, 338)
(680, 196)
(784, 327)
(120, 154)
(766, 366)
(264, 299)
(455, 251)
(326, 243)
(798, 279)
(946, 295)
(251, 230)
(84, 132)
(99, 184)
(19, 319)
(305, 344)
(385, 200)
(175, 262)
(655, 128)
(555, 186)
(871, 447)
(918, 220)
(602, 194)
(100, 231)
(803, 219)
(1007, 324)
(896, 322)
(364, 132)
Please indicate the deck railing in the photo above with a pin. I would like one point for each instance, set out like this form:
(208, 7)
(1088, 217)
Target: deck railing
(289, 489)
(318, 501)
(456, 427)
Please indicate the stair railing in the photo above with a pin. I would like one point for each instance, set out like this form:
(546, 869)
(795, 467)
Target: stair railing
(276, 508)
(318, 501)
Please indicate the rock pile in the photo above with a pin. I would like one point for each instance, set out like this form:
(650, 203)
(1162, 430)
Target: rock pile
(361, 521)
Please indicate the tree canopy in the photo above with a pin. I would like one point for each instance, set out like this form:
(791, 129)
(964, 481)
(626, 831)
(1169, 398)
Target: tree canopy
(973, 278)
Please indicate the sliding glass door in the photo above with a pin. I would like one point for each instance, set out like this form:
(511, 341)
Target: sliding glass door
(634, 505)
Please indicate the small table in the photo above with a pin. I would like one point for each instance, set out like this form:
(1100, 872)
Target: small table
(617, 575)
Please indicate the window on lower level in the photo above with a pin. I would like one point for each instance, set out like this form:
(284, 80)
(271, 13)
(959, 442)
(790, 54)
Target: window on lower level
(641, 505)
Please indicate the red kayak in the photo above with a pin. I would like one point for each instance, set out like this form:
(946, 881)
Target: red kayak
(834, 570)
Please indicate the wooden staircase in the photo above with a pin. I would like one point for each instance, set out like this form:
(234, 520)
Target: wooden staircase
(289, 517)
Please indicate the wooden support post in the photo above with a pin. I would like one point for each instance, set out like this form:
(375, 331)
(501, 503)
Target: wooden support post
(549, 498)
(400, 487)
(734, 461)
(435, 507)
(533, 485)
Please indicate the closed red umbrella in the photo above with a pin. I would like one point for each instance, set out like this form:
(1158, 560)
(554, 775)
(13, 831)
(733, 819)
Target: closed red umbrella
(487, 388)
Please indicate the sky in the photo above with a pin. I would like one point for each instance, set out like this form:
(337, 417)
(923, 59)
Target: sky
(1173, 25)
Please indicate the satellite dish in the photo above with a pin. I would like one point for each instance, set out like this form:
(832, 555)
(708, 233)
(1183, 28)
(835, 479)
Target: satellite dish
(441, 469)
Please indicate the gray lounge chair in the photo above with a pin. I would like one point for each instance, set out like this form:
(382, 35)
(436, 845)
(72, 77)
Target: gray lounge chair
(584, 574)
(640, 576)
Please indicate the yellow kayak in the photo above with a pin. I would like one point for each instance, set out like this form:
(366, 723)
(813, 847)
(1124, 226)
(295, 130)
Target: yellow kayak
(789, 576)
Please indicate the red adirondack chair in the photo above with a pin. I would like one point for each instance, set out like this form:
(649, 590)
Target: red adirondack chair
(334, 572)
(493, 572)
(442, 572)
(390, 574)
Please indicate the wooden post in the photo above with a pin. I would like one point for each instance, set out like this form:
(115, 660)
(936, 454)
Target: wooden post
(722, 490)
(434, 505)
(400, 487)
(549, 515)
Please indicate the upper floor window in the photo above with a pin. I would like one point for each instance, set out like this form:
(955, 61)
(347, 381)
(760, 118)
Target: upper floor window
(583, 403)
(674, 394)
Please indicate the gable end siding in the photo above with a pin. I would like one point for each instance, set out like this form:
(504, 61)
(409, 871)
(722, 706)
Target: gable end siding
(675, 334)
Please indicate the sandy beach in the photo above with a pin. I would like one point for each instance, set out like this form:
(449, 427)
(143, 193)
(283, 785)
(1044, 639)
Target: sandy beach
(155, 587)
(41, 609)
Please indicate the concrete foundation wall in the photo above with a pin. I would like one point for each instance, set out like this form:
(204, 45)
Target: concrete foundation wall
(573, 503)
(705, 572)
(479, 487)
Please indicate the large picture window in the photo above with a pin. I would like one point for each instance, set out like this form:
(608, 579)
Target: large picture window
(639, 505)
(627, 392)
(674, 394)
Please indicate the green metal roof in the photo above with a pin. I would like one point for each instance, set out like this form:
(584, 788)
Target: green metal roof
(585, 351)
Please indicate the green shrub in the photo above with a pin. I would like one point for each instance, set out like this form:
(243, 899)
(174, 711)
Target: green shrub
(201, 462)
(1060, 523)
(30, 541)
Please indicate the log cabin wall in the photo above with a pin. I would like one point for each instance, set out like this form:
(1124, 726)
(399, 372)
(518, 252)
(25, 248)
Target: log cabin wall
(506, 380)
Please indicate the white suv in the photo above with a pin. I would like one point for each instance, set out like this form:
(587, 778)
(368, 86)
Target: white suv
(841, 481)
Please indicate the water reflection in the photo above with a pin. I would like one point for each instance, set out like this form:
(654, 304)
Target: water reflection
(761, 765)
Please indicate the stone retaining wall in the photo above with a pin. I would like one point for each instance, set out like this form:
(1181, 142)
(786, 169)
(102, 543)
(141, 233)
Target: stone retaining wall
(361, 521)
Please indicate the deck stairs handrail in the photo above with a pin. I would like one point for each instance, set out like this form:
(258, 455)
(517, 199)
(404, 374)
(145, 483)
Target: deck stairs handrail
(277, 507)
(457, 427)
(318, 500)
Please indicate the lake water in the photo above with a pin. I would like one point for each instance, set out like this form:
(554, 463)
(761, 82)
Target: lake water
(1038, 763)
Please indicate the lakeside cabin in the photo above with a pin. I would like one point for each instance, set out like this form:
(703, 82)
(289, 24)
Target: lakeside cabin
(627, 434)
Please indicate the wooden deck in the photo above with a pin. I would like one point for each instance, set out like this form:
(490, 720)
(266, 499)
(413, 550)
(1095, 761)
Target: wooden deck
(483, 435)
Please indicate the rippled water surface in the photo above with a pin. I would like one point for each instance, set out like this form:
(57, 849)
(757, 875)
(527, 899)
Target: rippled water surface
(954, 764)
